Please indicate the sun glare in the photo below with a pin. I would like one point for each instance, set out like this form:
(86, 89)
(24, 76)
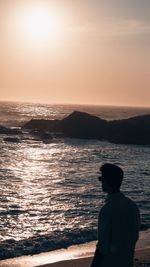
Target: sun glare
(42, 24)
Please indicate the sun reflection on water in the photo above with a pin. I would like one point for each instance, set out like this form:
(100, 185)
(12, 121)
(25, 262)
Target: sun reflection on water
(48, 188)
(39, 195)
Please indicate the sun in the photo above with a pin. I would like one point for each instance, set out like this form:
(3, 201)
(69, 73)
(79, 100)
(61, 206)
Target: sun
(41, 24)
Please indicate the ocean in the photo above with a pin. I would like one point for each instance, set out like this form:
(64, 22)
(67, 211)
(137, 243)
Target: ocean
(50, 195)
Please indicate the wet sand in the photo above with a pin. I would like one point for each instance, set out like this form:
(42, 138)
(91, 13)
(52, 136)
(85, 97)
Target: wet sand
(142, 259)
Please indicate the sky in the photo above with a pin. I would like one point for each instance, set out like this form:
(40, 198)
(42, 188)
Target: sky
(75, 51)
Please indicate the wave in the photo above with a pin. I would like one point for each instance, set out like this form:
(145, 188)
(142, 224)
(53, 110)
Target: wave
(11, 248)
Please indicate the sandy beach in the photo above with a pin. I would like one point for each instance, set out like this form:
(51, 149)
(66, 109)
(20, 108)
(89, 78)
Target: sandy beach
(142, 258)
(78, 256)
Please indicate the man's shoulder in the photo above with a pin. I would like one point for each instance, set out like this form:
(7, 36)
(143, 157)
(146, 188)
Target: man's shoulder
(129, 201)
(119, 199)
(126, 203)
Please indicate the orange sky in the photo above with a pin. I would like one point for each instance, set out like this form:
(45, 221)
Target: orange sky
(94, 52)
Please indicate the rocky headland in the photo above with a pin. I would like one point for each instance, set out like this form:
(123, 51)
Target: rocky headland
(135, 130)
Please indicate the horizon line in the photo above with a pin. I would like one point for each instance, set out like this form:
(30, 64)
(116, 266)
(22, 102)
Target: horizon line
(73, 104)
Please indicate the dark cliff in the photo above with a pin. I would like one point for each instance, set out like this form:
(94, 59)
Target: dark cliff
(134, 130)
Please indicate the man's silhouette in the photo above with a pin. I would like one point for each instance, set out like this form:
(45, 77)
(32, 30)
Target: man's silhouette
(118, 223)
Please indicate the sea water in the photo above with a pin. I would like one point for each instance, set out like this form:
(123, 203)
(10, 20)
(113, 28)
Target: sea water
(49, 193)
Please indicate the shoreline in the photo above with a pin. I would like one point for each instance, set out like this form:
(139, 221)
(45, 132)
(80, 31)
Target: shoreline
(142, 258)
(76, 256)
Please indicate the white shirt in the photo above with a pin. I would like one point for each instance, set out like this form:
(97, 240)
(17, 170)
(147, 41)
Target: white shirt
(118, 230)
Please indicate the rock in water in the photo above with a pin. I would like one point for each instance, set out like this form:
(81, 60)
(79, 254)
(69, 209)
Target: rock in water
(82, 125)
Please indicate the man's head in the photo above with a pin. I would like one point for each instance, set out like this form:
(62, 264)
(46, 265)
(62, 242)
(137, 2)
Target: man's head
(111, 177)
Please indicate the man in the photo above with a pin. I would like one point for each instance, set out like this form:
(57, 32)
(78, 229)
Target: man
(118, 223)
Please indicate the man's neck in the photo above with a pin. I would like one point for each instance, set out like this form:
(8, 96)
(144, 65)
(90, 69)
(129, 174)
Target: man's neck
(113, 192)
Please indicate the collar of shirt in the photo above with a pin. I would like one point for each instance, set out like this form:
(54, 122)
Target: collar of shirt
(113, 195)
